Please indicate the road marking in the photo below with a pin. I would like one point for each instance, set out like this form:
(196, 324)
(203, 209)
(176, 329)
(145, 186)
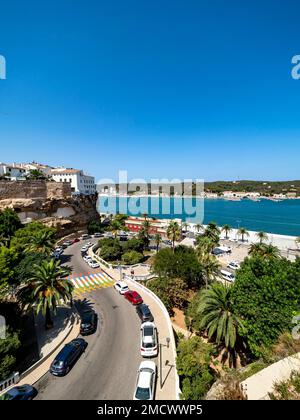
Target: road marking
(89, 282)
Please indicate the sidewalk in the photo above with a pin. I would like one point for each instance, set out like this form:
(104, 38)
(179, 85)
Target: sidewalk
(167, 354)
(66, 328)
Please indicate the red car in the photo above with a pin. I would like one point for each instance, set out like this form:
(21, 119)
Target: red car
(75, 240)
(133, 297)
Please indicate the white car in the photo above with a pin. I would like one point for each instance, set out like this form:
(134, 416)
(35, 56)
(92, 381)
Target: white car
(234, 265)
(121, 287)
(84, 248)
(227, 275)
(85, 236)
(145, 383)
(59, 250)
(93, 264)
(149, 345)
(87, 258)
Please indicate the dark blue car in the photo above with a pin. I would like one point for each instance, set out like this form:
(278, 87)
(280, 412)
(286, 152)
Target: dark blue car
(67, 357)
(23, 392)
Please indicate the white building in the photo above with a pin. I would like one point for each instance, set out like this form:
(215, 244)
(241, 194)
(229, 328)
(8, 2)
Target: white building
(12, 171)
(80, 182)
(45, 169)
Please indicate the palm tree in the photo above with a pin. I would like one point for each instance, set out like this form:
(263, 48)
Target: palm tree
(146, 228)
(46, 288)
(114, 226)
(185, 226)
(157, 239)
(173, 232)
(43, 242)
(199, 227)
(218, 318)
(205, 245)
(243, 232)
(264, 250)
(213, 232)
(226, 229)
(262, 236)
(210, 268)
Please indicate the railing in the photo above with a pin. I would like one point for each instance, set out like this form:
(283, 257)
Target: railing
(13, 379)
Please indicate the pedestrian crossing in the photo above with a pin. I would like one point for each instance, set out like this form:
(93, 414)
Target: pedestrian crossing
(84, 283)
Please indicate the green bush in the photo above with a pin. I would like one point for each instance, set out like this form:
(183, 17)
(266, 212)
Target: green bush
(132, 257)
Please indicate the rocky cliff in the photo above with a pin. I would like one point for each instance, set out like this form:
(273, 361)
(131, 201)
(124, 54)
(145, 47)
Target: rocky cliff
(49, 202)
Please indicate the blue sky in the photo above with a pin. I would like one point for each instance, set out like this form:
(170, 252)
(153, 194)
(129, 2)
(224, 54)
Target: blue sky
(181, 88)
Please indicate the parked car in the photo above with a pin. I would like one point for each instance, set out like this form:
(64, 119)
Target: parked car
(59, 250)
(98, 235)
(67, 357)
(149, 344)
(93, 264)
(88, 323)
(56, 255)
(84, 248)
(234, 265)
(133, 297)
(87, 258)
(66, 244)
(121, 287)
(145, 383)
(144, 313)
(227, 275)
(75, 240)
(85, 236)
(23, 392)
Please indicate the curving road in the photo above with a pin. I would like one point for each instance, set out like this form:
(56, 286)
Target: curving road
(107, 370)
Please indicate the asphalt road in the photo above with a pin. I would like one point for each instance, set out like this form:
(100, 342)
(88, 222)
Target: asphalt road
(108, 368)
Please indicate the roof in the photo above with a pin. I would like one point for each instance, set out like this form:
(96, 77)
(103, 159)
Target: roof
(65, 171)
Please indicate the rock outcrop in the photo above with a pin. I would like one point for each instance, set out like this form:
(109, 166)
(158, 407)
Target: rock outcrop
(49, 202)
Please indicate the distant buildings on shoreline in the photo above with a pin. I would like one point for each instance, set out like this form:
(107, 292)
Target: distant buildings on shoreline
(81, 183)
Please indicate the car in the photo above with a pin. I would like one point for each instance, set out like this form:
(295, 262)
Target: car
(56, 255)
(66, 244)
(85, 236)
(121, 287)
(84, 248)
(149, 344)
(93, 264)
(75, 240)
(234, 265)
(87, 258)
(66, 358)
(133, 297)
(89, 244)
(145, 383)
(23, 392)
(59, 250)
(98, 235)
(227, 275)
(88, 324)
(144, 313)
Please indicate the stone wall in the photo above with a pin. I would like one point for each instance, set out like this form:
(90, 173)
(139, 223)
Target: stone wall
(38, 190)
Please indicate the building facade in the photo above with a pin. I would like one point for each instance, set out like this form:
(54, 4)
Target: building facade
(12, 171)
(80, 182)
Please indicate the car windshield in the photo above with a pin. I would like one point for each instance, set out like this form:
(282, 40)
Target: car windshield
(142, 393)
(148, 345)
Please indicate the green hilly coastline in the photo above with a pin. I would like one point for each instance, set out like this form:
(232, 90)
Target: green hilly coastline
(263, 187)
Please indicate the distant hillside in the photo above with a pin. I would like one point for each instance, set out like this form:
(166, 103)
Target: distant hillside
(263, 187)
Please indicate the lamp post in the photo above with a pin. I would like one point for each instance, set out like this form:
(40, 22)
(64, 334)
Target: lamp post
(160, 359)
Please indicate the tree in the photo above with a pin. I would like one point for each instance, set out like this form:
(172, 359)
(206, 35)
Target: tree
(297, 241)
(157, 240)
(193, 365)
(266, 251)
(199, 227)
(266, 294)
(95, 226)
(210, 268)
(41, 242)
(46, 288)
(9, 224)
(182, 263)
(262, 236)
(173, 232)
(243, 232)
(23, 270)
(132, 257)
(172, 291)
(36, 174)
(23, 237)
(8, 349)
(215, 314)
(213, 232)
(114, 226)
(226, 229)
(8, 261)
